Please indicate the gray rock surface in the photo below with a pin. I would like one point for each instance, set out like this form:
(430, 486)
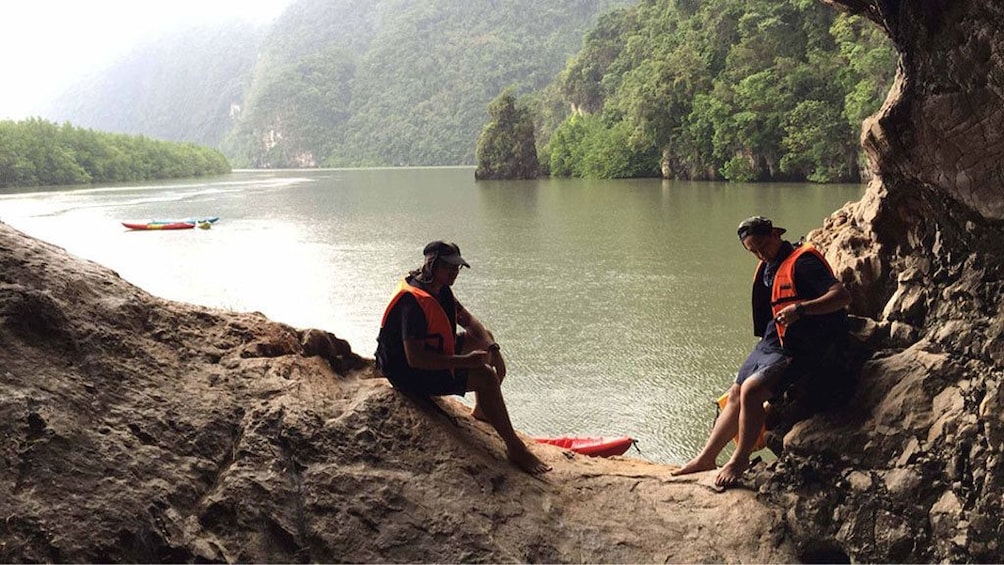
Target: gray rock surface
(913, 470)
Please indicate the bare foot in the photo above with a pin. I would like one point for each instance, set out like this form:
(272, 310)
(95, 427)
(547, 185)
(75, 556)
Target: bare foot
(527, 461)
(693, 466)
(477, 414)
(730, 474)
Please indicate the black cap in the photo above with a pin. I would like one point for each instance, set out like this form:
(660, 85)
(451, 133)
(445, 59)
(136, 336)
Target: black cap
(757, 225)
(449, 252)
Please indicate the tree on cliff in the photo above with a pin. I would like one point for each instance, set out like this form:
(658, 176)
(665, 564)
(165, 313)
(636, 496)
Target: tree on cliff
(506, 147)
(743, 90)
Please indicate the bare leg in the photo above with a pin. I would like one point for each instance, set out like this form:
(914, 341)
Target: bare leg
(725, 429)
(471, 343)
(489, 399)
(754, 392)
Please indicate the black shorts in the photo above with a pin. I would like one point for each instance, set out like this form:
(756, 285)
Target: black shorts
(432, 383)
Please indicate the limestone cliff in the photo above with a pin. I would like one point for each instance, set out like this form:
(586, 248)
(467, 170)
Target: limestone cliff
(914, 471)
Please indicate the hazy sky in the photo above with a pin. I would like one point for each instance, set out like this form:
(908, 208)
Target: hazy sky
(45, 45)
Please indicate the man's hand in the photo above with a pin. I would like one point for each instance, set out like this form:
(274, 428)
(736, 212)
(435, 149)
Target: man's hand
(789, 315)
(476, 359)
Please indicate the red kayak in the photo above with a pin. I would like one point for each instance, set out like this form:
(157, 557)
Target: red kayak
(159, 226)
(593, 446)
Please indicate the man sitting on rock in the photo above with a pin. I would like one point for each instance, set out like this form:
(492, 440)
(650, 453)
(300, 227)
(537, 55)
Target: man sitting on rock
(420, 351)
(799, 313)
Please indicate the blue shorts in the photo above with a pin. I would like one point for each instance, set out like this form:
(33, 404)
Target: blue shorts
(764, 357)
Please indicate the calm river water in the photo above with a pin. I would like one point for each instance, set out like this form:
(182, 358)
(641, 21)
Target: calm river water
(622, 306)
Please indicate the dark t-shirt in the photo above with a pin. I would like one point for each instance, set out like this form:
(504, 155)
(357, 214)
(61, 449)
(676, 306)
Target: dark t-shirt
(407, 321)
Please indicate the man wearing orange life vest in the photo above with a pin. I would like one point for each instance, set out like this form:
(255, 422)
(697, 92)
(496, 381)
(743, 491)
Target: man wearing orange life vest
(799, 313)
(420, 351)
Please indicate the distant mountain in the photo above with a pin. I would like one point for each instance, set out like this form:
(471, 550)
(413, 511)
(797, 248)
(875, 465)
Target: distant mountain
(339, 82)
(180, 87)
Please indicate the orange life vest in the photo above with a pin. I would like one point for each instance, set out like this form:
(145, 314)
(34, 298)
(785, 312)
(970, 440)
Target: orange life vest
(783, 292)
(439, 333)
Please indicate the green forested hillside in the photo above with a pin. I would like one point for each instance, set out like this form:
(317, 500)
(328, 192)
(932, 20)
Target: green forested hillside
(183, 86)
(397, 82)
(744, 90)
(36, 152)
(340, 82)
(703, 89)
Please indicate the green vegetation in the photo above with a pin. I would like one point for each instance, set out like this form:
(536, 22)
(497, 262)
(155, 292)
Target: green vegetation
(339, 82)
(397, 82)
(506, 148)
(745, 90)
(35, 152)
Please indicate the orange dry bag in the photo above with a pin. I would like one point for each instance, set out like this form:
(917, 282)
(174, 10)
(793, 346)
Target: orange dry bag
(761, 440)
